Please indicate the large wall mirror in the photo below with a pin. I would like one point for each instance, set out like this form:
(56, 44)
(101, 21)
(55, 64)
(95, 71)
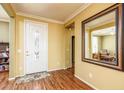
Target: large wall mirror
(102, 38)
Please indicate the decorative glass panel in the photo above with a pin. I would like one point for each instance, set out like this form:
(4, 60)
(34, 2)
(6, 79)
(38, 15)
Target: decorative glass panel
(36, 42)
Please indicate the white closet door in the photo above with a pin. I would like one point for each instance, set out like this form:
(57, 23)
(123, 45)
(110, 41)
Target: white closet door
(36, 47)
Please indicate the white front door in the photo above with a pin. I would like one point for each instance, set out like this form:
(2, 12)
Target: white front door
(36, 47)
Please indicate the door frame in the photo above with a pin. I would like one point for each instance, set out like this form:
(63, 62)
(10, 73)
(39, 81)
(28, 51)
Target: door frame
(37, 22)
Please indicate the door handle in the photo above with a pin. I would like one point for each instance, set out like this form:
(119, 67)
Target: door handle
(26, 51)
(27, 55)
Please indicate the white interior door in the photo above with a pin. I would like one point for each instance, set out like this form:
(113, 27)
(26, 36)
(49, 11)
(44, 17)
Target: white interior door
(36, 47)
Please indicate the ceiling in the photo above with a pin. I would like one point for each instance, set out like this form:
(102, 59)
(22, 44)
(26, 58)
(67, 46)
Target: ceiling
(108, 18)
(55, 11)
(3, 15)
(104, 32)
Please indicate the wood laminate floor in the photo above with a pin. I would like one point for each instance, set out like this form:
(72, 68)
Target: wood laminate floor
(58, 80)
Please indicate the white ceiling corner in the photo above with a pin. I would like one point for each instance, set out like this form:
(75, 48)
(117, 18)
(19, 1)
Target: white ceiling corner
(79, 10)
(39, 17)
(3, 15)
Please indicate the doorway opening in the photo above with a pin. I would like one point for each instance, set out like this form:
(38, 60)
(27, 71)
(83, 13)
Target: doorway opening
(70, 47)
(4, 40)
(73, 51)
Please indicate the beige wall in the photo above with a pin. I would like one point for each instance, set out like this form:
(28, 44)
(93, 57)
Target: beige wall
(102, 77)
(105, 40)
(68, 35)
(88, 45)
(4, 31)
(55, 45)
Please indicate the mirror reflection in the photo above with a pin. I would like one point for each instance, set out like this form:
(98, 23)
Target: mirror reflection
(100, 39)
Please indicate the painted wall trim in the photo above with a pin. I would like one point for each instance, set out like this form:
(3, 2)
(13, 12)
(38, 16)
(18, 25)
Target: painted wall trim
(79, 10)
(86, 82)
(16, 77)
(4, 20)
(11, 79)
(55, 69)
(39, 17)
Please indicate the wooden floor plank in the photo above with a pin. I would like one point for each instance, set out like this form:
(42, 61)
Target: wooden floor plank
(58, 80)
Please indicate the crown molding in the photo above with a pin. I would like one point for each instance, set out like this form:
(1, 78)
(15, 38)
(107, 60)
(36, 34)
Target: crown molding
(75, 13)
(4, 20)
(79, 10)
(39, 17)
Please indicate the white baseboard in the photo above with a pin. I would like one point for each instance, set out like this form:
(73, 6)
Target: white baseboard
(55, 69)
(11, 79)
(86, 82)
(66, 67)
(15, 77)
(19, 76)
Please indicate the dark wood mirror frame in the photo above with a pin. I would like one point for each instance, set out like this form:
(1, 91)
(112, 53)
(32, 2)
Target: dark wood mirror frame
(119, 8)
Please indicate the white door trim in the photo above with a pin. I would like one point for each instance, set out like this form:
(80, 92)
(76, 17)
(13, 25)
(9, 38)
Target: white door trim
(25, 20)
